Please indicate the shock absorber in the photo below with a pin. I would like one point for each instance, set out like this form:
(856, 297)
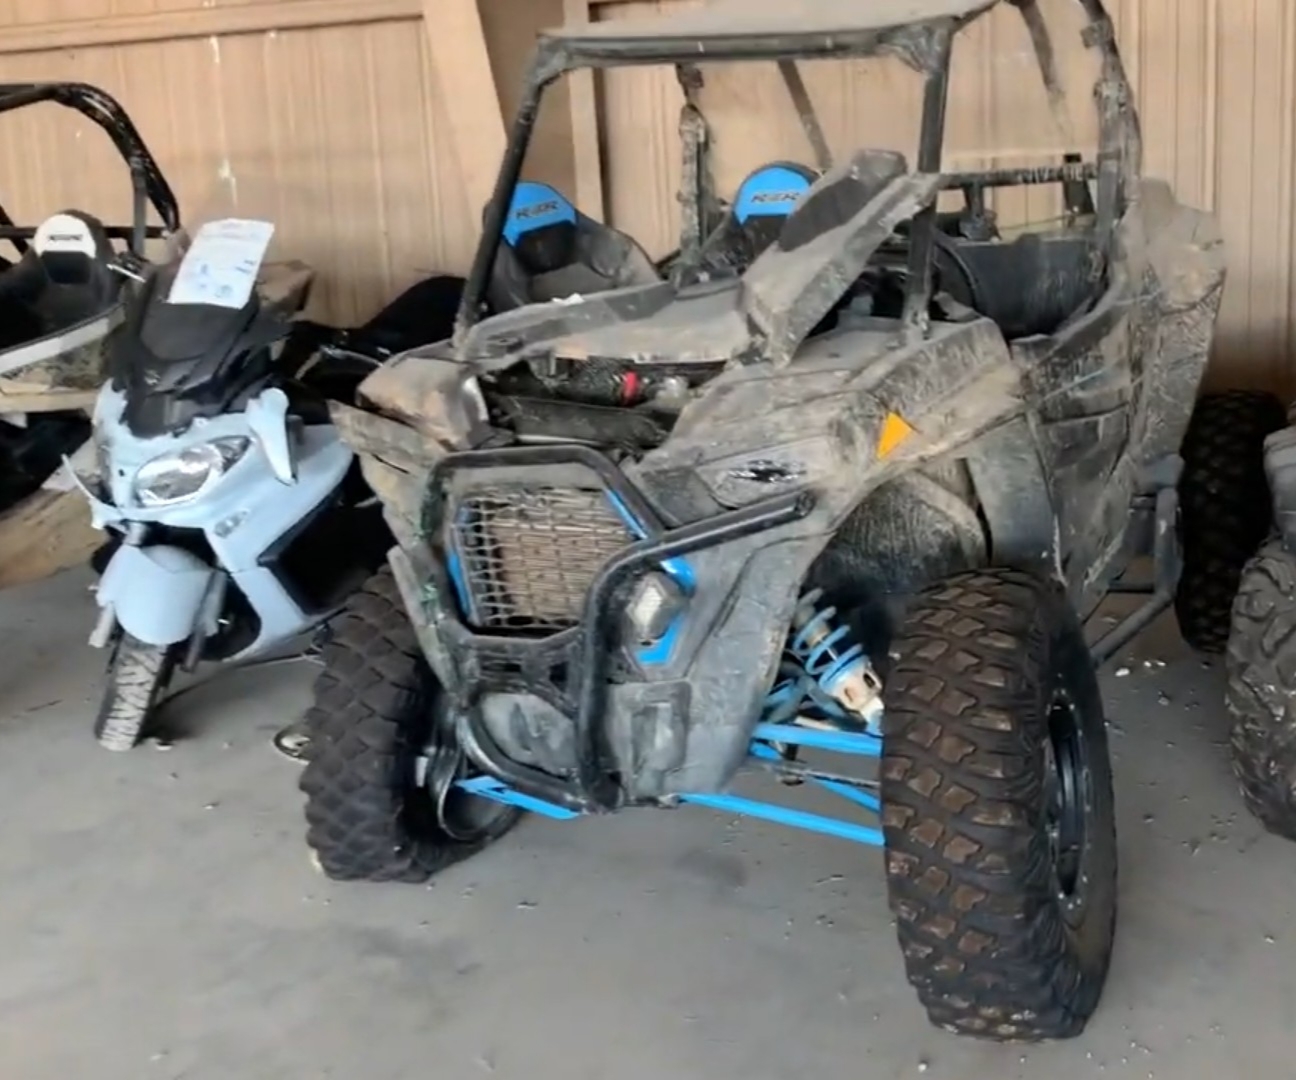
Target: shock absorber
(837, 667)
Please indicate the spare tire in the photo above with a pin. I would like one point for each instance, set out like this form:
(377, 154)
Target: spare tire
(1225, 511)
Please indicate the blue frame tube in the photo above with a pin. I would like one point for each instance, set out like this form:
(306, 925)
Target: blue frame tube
(842, 742)
(783, 815)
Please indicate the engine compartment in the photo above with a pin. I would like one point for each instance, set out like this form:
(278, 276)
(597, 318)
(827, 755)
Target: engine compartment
(784, 268)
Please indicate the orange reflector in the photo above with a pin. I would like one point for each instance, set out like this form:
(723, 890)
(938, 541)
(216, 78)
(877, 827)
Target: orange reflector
(895, 430)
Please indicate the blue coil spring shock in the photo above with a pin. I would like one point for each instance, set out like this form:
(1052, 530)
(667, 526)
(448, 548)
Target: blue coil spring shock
(827, 669)
(825, 650)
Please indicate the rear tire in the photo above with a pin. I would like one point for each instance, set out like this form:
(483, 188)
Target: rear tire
(998, 809)
(1225, 509)
(1262, 689)
(137, 678)
(373, 714)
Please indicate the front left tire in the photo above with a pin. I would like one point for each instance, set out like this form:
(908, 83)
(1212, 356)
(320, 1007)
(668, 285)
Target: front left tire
(375, 705)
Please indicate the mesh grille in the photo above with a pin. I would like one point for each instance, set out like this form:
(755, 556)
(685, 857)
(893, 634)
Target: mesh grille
(530, 554)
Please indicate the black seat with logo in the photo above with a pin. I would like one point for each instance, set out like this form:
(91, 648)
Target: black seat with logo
(550, 251)
(760, 209)
(62, 280)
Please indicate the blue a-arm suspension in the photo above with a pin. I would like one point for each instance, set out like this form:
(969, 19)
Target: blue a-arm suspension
(859, 744)
(822, 669)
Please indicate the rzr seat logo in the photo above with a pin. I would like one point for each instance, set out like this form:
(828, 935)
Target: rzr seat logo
(526, 213)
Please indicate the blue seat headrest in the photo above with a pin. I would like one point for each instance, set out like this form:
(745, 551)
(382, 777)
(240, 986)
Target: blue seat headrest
(535, 206)
(772, 191)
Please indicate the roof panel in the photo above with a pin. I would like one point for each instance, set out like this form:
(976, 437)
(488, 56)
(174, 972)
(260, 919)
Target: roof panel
(769, 18)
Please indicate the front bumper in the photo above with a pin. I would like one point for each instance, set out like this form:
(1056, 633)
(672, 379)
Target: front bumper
(615, 734)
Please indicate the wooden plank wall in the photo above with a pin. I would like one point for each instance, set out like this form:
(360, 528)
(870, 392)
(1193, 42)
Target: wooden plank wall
(1216, 85)
(322, 115)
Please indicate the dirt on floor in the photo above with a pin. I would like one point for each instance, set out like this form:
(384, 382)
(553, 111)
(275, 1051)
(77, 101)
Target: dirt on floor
(159, 916)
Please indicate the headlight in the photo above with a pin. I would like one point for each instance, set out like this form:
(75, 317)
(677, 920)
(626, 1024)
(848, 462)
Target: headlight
(179, 477)
(652, 607)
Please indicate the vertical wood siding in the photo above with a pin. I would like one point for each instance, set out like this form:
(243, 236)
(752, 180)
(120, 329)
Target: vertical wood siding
(338, 134)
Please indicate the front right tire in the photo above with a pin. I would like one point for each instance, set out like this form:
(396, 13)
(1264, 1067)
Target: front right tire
(998, 810)
(375, 705)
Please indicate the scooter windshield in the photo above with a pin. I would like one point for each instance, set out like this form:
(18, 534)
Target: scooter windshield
(199, 335)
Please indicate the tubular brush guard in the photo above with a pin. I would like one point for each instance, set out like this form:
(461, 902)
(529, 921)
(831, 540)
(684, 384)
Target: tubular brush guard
(826, 686)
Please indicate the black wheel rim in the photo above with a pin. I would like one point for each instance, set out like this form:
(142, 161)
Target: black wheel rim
(1068, 791)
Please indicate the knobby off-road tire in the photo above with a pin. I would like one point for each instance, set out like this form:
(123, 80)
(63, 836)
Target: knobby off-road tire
(1225, 508)
(1001, 938)
(137, 678)
(1261, 691)
(372, 714)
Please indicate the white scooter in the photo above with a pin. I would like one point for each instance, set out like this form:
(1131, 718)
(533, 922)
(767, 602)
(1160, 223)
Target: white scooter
(236, 512)
(240, 519)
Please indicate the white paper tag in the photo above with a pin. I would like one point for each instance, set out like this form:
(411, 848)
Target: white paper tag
(221, 265)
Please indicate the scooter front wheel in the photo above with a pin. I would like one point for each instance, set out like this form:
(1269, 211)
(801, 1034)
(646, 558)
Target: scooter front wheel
(137, 677)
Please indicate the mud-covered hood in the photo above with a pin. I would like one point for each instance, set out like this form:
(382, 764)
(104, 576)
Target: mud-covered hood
(767, 313)
(643, 324)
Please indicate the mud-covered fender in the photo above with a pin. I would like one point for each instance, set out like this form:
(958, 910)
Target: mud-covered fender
(1013, 492)
(156, 593)
(859, 409)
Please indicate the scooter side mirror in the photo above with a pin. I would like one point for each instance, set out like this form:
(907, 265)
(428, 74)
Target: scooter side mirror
(129, 265)
(267, 416)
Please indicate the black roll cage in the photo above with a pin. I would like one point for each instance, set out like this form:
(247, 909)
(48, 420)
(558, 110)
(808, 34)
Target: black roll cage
(148, 184)
(925, 47)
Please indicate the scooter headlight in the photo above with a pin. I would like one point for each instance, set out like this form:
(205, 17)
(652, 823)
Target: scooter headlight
(178, 477)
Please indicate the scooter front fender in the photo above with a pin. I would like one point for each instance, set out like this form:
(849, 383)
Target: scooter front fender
(156, 592)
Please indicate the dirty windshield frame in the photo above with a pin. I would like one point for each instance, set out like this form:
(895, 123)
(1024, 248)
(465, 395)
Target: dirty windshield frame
(924, 46)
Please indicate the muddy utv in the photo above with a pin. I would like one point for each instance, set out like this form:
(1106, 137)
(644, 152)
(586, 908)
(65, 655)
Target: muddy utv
(850, 497)
(61, 294)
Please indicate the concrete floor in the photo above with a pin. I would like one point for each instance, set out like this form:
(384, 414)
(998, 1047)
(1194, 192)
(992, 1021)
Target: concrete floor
(159, 917)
